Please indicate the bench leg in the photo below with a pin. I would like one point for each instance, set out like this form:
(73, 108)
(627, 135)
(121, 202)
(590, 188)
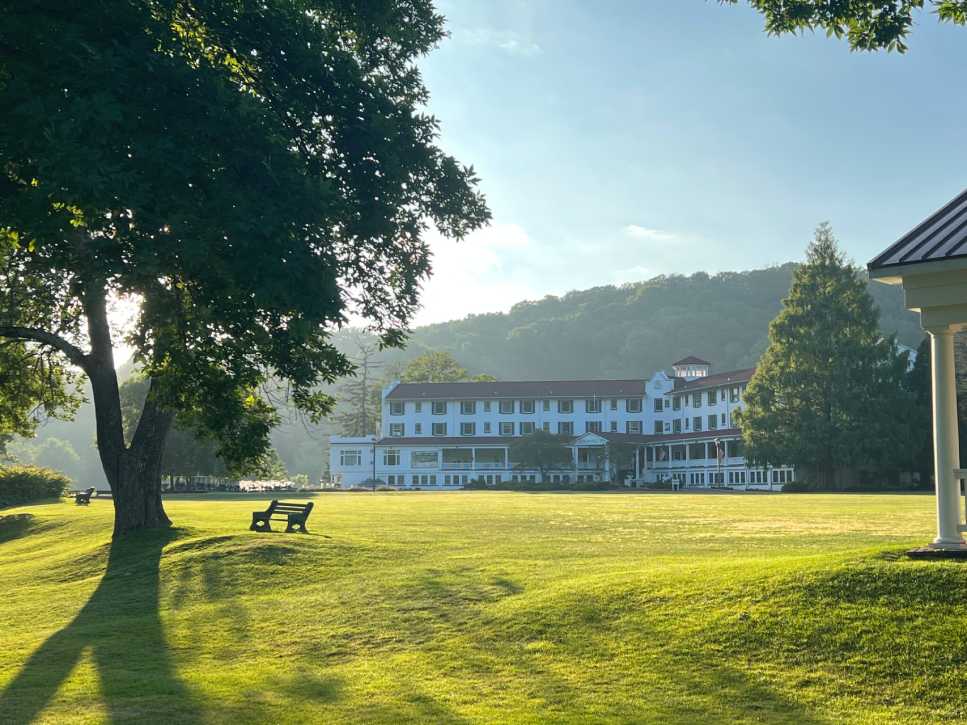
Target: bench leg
(260, 523)
(296, 525)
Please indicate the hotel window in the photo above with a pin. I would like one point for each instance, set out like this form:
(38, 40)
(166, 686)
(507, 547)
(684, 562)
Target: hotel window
(467, 429)
(418, 406)
(546, 405)
(565, 428)
(439, 407)
(633, 426)
(546, 427)
(712, 397)
(614, 426)
(418, 429)
(396, 430)
(468, 407)
(526, 427)
(592, 405)
(565, 406)
(506, 407)
(687, 423)
(633, 405)
(592, 426)
(396, 407)
(722, 420)
(424, 459)
(486, 427)
(696, 400)
(507, 429)
(734, 394)
(659, 426)
(659, 405)
(391, 457)
(439, 429)
(677, 425)
(486, 406)
(614, 404)
(350, 457)
(527, 407)
(713, 422)
(677, 402)
(697, 423)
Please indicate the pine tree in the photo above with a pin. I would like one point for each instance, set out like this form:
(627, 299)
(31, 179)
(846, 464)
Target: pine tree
(826, 391)
(359, 396)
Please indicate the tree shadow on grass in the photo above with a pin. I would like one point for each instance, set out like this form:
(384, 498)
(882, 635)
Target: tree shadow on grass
(120, 626)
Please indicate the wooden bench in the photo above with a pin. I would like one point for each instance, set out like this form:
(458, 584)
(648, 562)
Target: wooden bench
(293, 513)
(83, 498)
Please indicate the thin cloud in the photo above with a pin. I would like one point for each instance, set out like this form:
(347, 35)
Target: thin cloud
(656, 235)
(508, 41)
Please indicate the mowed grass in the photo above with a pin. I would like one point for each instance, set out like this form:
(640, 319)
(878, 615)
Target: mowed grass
(486, 607)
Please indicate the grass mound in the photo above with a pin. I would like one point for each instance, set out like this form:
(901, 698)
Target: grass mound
(485, 607)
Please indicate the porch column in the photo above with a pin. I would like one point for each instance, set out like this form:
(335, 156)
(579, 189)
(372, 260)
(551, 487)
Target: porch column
(638, 464)
(574, 458)
(473, 459)
(946, 446)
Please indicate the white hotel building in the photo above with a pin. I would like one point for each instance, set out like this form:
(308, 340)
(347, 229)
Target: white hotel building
(444, 435)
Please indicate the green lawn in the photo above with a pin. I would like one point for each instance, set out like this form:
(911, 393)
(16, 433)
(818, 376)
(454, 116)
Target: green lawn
(486, 607)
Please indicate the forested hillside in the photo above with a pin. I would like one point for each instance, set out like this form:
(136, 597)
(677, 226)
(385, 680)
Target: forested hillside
(634, 329)
(625, 331)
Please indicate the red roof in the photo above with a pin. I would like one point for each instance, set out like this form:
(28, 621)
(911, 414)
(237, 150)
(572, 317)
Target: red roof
(519, 389)
(711, 381)
(674, 438)
(639, 438)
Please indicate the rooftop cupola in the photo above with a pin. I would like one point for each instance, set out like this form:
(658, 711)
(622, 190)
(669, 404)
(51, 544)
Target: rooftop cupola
(691, 367)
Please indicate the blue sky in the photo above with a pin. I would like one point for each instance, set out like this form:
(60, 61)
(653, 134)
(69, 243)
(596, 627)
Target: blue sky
(620, 140)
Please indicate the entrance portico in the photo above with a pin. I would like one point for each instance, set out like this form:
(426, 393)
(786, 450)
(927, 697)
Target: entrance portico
(931, 264)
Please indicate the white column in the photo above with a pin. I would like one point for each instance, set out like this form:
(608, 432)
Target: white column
(946, 444)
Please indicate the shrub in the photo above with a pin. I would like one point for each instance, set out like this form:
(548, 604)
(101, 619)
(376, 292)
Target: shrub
(543, 486)
(20, 484)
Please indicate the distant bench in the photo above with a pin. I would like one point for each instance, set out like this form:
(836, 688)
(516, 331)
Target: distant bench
(83, 498)
(293, 513)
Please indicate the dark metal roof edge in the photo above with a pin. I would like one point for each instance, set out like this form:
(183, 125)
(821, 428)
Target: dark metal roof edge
(877, 263)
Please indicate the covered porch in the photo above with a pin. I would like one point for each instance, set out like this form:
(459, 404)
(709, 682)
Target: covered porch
(474, 458)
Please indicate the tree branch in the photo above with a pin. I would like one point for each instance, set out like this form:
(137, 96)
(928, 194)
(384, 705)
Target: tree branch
(73, 353)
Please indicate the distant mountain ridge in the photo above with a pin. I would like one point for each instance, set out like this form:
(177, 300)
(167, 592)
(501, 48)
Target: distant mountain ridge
(634, 329)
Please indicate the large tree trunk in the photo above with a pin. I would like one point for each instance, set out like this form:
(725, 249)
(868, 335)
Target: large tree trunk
(133, 471)
(136, 482)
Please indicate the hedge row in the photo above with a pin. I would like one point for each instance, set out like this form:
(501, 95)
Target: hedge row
(546, 486)
(22, 484)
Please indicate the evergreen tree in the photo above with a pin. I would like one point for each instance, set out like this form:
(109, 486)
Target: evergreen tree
(826, 391)
(917, 384)
(359, 396)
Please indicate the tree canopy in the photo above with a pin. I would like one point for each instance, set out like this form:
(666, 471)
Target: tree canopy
(867, 24)
(438, 366)
(541, 451)
(250, 173)
(818, 396)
